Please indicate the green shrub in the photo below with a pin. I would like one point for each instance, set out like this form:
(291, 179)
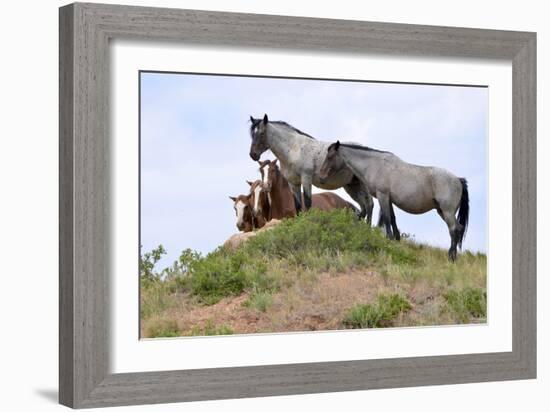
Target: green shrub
(223, 273)
(211, 330)
(325, 233)
(147, 264)
(467, 303)
(156, 297)
(377, 315)
(180, 268)
(162, 328)
(220, 274)
(259, 300)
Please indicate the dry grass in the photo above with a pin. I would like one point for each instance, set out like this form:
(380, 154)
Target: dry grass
(313, 302)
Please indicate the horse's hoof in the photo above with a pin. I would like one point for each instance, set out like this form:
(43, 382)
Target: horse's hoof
(452, 255)
(360, 216)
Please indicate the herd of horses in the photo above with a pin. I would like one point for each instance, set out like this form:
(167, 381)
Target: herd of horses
(271, 198)
(364, 173)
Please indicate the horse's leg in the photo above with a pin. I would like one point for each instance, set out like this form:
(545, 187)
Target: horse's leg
(380, 219)
(385, 210)
(369, 203)
(306, 184)
(297, 193)
(360, 195)
(454, 230)
(396, 233)
(352, 190)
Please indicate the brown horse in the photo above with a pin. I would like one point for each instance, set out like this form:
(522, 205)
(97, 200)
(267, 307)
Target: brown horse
(261, 209)
(329, 201)
(281, 198)
(246, 222)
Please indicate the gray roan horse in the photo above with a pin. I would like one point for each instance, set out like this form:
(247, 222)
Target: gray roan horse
(301, 157)
(414, 189)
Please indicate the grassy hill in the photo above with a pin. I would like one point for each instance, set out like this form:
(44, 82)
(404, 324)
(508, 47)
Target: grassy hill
(319, 271)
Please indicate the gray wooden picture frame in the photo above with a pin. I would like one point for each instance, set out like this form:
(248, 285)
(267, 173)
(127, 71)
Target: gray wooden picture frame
(85, 32)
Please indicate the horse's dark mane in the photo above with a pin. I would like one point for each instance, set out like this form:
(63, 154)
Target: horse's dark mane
(360, 147)
(292, 127)
(280, 122)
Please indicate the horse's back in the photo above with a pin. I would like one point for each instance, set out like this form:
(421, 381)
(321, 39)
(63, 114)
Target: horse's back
(329, 201)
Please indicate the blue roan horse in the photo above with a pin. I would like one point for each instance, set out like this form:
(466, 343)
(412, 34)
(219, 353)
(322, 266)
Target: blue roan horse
(414, 189)
(301, 157)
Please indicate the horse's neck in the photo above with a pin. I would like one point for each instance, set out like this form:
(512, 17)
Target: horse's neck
(282, 201)
(360, 161)
(281, 139)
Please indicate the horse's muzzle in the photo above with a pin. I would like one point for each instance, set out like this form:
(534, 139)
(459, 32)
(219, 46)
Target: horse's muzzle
(254, 156)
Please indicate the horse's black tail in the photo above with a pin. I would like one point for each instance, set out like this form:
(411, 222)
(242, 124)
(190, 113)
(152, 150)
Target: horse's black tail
(463, 211)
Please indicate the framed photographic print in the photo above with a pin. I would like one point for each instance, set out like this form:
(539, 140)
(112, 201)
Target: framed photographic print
(256, 205)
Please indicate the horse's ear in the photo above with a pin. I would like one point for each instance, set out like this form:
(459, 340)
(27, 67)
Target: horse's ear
(265, 119)
(249, 182)
(234, 199)
(251, 119)
(337, 145)
(274, 162)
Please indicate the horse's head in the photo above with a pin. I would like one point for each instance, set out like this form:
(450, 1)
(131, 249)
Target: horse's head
(243, 211)
(333, 162)
(269, 171)
(258, 134)
(259, 200)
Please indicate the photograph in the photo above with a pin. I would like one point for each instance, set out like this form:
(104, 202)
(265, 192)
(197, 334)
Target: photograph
(279, 204)
(275, 205)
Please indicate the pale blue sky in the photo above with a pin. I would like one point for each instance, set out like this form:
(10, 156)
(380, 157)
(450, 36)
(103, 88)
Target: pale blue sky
(195, 144)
